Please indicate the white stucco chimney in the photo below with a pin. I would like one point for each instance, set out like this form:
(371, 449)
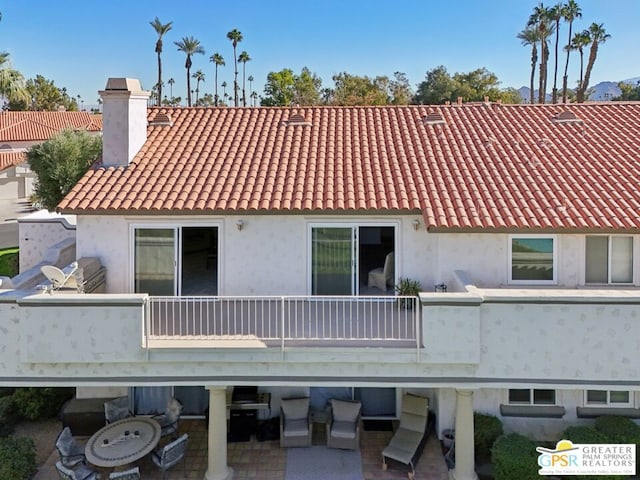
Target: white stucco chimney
(124, 120)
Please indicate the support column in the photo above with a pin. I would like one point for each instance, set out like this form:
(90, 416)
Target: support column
(217, 468)
(465, 461)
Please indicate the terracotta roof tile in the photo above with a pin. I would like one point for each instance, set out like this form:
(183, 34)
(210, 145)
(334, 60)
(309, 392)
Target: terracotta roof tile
(40, 126)
(486, 167)
(12, 158)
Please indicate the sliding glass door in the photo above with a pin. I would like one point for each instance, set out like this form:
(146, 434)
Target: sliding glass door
(154, 261)
(332, 266)
(176, 260)
(343, 257)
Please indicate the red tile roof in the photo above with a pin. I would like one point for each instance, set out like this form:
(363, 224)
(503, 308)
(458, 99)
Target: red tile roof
(504, 167)
(40, 126)
(10, 159)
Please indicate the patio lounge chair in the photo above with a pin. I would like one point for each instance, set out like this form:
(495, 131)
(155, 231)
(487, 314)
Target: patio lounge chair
(343, 425)
(81, 473)
(408, 441)
(295, 422)
(71, 454)
(167, 456)
(169, 419)
(116, 409)
(131, 474)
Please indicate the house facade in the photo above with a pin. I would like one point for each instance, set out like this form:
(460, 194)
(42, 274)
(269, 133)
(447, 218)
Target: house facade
(250, 246)
(21, 130)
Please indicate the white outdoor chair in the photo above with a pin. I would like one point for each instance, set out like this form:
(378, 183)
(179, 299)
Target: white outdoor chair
(81, 473)
(383, 277)
(295, 422)
(116, 409)
(167, 456)
(343, 427)
(169, 419)
(131, 474)
(71, 454)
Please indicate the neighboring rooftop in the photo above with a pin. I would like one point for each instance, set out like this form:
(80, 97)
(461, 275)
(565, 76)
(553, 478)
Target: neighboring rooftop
(41, 126)
(487, 167)
(11, 159)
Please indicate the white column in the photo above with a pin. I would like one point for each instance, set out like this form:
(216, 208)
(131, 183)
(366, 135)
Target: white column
(465, 462)
(217, 468)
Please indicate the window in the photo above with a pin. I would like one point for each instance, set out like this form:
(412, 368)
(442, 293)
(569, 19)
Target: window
(531, 396)
(611, 398)
(609, 259)
(532, 259)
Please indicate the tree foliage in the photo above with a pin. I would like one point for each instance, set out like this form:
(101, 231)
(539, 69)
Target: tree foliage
(439, 87)
(43, 95)
(60, 162)
(628, 92)
(285, 88)
(356, 90)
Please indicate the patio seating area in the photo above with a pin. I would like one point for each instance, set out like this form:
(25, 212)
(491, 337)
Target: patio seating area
(267, 460)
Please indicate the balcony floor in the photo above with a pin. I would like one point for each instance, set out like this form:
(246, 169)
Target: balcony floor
(267, 461)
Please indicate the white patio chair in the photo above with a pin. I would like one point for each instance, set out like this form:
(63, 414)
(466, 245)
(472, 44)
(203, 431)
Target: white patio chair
(382, 277)
(131, 474)
(116, 409)
(343, 426)
(169, 419)
(71, 454)
(295, 422)
(81, 473)
(167, 456)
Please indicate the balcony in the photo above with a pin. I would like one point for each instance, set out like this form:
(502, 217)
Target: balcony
(175, 322)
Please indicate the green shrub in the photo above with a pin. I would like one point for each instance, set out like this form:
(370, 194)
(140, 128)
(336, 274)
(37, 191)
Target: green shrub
(486, 429)
(7, 416)
(37, 403)
(514, 456)
(618, 429)
(17, 458)
(588, 434)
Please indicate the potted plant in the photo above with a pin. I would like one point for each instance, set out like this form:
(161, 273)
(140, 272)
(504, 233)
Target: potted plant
(407, 288)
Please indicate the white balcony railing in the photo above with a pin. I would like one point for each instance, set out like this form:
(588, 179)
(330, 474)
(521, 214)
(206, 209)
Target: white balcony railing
(383, 321)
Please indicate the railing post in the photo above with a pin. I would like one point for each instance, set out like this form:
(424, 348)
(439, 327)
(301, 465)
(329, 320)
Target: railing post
(282, 299)
(146, 322)
(416, 304)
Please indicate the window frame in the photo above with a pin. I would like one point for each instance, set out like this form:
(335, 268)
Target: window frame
(609, 260)
(553, 238)
(608, 403)
(531, 401)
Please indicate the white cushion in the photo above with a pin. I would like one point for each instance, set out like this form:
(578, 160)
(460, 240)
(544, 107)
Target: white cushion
(296, 428)
(343, 430)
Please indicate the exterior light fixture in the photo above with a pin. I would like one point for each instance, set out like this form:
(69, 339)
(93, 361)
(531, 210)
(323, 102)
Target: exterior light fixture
(416, 225)
(240, 224)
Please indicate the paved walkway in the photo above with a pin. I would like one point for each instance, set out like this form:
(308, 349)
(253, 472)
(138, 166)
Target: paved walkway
(267, 461)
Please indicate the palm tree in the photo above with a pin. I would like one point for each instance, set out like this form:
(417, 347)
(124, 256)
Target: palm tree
(244, 58)
(254, 96)
(161, 29)
(556, 14)
(529, 36)
(578, 42)
(12, 83)
(250, 78)
(189, 46)
(199, 76)
(570, 12)
(217, 59)
(598, 36)
(540, 19)
(236, 37)
(171, 81)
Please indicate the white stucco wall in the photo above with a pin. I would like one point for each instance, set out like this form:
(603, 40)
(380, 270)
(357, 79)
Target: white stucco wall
(269, 256)
(485, 257)
(39, 231)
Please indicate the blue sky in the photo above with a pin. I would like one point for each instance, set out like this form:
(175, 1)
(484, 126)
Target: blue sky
(80, 43)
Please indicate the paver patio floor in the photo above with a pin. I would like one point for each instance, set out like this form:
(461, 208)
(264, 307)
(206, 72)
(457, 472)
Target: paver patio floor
(267, 460)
